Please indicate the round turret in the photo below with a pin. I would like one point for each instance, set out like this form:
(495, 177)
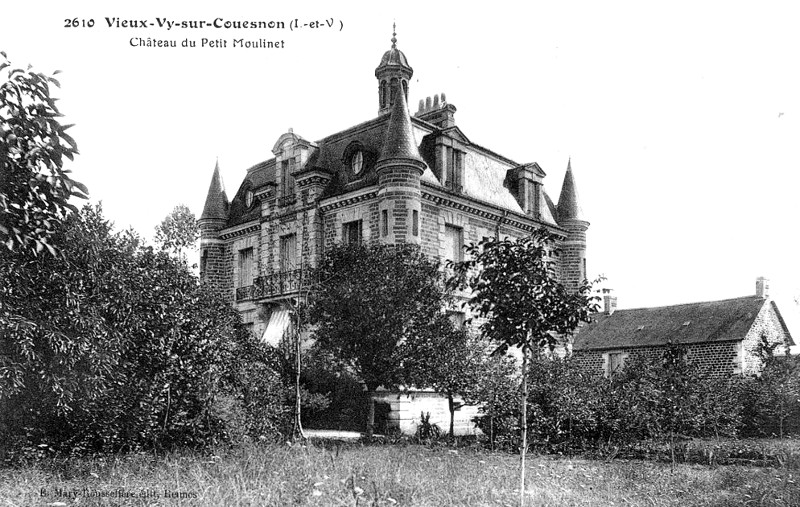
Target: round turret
(393, 74)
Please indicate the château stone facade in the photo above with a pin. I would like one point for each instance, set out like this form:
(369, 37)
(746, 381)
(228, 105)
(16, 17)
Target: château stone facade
(395, 178)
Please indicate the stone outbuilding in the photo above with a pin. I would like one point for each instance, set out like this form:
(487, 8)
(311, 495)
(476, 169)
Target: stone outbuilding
(723, 336)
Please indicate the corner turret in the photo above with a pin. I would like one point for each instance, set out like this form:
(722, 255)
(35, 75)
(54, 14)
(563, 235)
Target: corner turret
(212, 249)
(399, 169)
(571, 218)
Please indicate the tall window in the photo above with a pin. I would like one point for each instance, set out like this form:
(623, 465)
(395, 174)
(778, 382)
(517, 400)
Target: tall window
(453, 243)
(287, 167)
(393, 84)
(415, 223)
(245, 267)
(351, 232)
(288, 253)
(455, 169)
(385, 222)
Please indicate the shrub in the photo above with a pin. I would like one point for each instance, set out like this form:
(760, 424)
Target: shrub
(112, 346)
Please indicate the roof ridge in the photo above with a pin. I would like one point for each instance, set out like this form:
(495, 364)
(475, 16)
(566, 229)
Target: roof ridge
(685, 304)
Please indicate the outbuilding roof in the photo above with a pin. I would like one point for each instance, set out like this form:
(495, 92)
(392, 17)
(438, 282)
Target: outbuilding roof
(711, 321)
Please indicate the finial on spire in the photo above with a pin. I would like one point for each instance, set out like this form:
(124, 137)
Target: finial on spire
(394, 35)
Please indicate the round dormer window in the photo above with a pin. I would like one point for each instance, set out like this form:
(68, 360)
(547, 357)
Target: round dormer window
(248, 198)
(357, 162)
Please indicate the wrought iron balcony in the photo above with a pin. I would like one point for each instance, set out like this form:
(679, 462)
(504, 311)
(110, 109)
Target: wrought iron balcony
(283, 282)
(245, 293)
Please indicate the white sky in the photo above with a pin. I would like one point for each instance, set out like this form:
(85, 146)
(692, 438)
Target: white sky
(682, 119)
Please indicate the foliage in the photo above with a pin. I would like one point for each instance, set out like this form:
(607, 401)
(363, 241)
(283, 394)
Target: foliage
(446, 359)
(496, 392)
(515, 287)
(656, 397)
(427, 431)
(772, 399)
(114, 346)
(178, 231)
(34, 185)
(371, 300)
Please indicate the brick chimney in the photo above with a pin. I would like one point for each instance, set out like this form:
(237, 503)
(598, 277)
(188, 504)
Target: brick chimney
(609, 302)
(762, 287)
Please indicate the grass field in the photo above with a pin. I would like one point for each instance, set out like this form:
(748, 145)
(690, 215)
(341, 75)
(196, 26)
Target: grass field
(386, 476)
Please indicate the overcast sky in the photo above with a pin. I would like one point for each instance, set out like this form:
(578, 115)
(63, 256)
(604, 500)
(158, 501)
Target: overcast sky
(682, 119)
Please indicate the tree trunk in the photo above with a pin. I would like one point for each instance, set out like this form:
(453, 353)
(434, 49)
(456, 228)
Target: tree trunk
(524, 449)
(451, 406)
(370, 413)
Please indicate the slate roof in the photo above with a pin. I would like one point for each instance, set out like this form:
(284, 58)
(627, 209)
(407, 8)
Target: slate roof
(257, 176)
(399, 142)
(711, 321)
(216, 206)
(568, 207)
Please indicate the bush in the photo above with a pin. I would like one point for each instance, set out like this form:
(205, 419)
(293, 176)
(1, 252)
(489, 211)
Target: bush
(112, 346)
(660, 397)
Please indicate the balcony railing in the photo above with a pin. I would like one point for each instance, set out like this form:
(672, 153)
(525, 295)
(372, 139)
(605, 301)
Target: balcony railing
(245, 293)
(282, 282)
(287, 200)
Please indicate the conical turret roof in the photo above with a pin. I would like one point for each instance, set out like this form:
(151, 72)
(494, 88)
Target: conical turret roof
(399, 142)
(216, 207)
(568, 204)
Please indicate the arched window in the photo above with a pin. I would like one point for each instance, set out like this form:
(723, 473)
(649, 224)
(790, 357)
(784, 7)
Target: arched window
(248, 198)
(393, 91)
(383, 93)
(405, 89)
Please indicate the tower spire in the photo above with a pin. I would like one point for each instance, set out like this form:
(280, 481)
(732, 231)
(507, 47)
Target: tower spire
(216, 207)
(394, 35)
(568, 205)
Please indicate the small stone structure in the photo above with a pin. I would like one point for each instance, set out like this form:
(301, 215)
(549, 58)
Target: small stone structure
(722, 336)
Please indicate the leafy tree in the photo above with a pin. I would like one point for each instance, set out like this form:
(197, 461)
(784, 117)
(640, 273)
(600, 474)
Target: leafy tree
(515, 288)
(34, 185)
(371, 300)
(178, 231)
(447, 359)
(114, 346)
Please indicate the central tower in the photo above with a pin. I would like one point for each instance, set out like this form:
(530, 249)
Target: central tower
(393, 74)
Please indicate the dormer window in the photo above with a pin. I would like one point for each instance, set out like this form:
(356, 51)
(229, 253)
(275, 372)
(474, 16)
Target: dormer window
(357, 162)
(248, 198)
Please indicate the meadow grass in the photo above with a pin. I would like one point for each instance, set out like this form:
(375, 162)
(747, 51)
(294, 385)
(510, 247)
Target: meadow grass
(382, 475)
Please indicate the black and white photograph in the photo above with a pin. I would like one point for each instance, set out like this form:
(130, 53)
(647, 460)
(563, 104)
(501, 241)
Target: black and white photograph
(410, 253)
